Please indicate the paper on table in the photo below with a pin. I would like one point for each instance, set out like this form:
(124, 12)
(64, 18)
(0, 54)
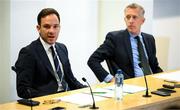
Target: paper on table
(129, 88)
(104, 92)
(173, 76)
(80, 98)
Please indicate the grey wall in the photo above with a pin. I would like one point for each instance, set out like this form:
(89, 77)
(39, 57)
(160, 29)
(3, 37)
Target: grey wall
(166, 8)
(5, 76)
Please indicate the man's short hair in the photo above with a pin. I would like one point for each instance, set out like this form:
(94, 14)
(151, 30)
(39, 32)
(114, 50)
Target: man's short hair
(45, 12)
(134, 6)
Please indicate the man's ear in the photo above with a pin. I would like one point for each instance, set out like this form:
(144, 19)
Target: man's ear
(143, 21)
(38, 28)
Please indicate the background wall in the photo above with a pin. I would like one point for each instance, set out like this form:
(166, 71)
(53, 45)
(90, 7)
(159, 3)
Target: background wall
(166, 25)
(84, 26)
(5, 75)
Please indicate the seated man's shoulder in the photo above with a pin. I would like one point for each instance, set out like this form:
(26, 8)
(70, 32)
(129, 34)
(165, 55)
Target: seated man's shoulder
(118, 32)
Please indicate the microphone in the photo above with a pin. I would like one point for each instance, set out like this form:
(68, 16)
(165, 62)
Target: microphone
(147, 89)
(93, 106)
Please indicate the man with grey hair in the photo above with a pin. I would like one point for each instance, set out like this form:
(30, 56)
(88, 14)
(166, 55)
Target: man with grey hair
(131, 50)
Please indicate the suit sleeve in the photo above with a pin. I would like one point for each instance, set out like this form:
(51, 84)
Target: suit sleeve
(104, 52)
(25, 69)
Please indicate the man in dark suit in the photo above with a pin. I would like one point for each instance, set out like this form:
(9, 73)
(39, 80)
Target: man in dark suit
(37, 73)
(120, 48)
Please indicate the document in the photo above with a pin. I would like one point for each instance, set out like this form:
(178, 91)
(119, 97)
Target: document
(80, 99)
(101, 92)
(127, 88)
(173, 76)
(109, 91)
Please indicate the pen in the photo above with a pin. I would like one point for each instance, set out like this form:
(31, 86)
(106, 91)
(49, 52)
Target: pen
(99, 92)
(110, 89)
(170, 81)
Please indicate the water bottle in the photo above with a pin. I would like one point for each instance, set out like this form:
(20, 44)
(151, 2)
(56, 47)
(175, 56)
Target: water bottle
(119, 78)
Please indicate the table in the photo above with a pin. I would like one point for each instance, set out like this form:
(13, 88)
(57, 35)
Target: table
(130, 101)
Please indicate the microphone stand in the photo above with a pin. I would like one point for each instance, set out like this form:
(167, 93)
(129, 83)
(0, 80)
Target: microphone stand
(147, 89)
(29, 92)
(94, 105)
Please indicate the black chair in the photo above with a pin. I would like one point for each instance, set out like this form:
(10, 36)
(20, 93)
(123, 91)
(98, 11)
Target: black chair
(13, 68)
(111, 66)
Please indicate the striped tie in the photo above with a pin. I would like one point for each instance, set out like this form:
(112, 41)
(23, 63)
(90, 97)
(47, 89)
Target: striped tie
(62, 84)
(56, 62)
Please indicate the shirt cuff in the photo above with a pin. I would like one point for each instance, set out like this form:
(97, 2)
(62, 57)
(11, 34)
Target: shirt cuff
(108, 78)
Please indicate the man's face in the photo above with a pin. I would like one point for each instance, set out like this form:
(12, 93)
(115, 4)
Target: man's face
(49, 28)
(134, 20)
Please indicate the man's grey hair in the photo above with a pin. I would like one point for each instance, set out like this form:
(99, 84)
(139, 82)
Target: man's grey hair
(134, 6)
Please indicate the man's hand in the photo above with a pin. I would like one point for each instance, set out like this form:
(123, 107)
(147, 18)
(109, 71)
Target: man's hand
(112, 80)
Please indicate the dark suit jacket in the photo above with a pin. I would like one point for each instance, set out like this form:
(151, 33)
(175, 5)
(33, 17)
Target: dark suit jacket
(117, 48)
(35, 73)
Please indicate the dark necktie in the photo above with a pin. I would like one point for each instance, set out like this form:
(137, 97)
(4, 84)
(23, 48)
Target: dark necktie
(56, 62)
(60, 80)
(142, 57)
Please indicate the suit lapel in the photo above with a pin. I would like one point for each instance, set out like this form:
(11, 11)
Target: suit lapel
(43, 56)
(61, 54)
(127, 44)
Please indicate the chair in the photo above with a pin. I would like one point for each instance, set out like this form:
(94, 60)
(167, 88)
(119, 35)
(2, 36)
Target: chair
(113, 67)
(13, 68)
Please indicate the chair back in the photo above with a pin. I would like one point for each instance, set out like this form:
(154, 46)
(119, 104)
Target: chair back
(14, 68)
(112, 66)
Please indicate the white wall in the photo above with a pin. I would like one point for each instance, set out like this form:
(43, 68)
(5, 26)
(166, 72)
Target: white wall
(169, 28)
(166, 24)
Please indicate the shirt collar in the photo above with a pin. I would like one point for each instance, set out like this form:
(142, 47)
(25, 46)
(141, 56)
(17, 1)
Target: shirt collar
(46, 45)
(133, 36)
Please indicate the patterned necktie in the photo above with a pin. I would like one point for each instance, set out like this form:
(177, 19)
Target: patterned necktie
(142, 57)
(56, 62)
(60, 79)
